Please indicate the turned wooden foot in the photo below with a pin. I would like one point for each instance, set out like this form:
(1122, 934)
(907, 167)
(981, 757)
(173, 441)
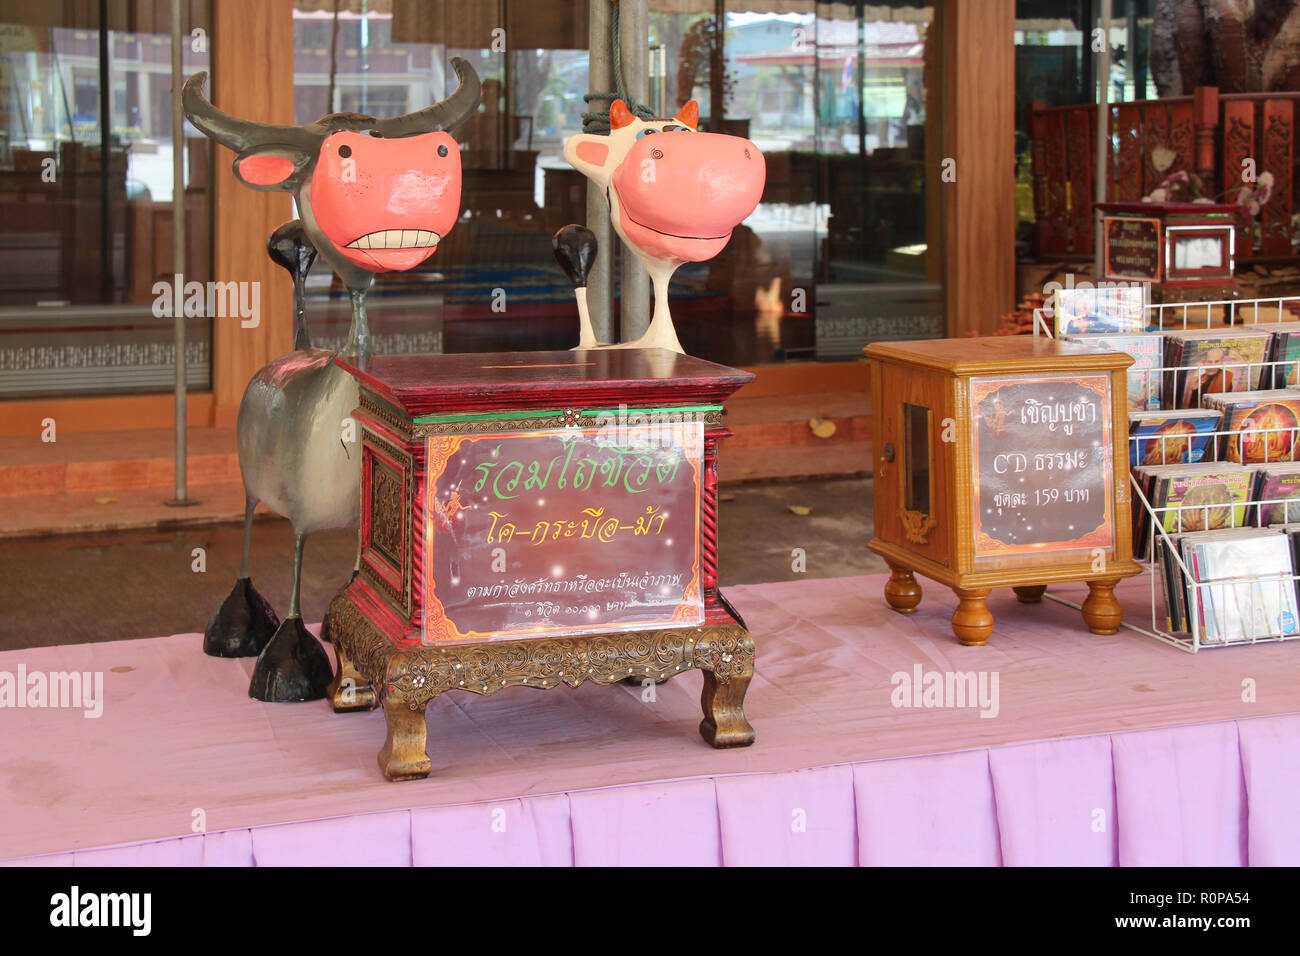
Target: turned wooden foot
(1101, 611)
(972, 622)
(403, 756)
(1030, 594)
(902, 593)
(349, 691)
(724, 723)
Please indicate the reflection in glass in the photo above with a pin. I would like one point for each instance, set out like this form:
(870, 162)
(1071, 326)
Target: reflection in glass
(85, 205)
(833, 93)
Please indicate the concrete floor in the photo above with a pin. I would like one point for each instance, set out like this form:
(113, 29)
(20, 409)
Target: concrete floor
(71, 589)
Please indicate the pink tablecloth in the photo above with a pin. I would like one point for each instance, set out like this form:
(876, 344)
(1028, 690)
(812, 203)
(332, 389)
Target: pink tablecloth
(1103, 750)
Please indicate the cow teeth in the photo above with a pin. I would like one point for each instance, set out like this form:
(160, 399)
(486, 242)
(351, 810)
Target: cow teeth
(396, 239)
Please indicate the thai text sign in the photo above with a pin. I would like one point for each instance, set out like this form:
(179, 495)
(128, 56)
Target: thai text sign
(1132, 248)
(1042, 463)
(562, 531)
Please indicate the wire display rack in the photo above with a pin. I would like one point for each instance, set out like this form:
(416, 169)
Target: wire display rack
(1213, 600)
(1213, 604)
(1162, 316)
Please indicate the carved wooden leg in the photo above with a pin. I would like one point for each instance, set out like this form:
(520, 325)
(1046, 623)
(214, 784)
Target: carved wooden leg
(403, 756)
(902, 593)
(349, 690)
(1030, 594)
(1101, 611)
(972, 622)
(724, 723)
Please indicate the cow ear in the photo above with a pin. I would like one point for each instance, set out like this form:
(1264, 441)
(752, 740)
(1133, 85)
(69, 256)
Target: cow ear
(619, 115)
(689, 114)
(273, 168)
(589, 155)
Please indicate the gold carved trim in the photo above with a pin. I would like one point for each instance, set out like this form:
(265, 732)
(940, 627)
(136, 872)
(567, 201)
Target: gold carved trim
(916, 525)
(409, 429)
(385, 413)
(416, 675)
(401, 597)
(561, 420)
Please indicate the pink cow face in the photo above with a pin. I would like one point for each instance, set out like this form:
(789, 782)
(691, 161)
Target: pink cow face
(386, 203)
(374, 194)
(675, 194)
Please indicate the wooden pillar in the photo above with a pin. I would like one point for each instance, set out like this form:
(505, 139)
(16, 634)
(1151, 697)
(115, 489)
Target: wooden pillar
(1205, 109)
(977, 150)
(252, 77)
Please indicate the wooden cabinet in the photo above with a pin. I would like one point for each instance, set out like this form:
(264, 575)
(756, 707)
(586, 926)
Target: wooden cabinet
(1001, 462)
(537, 519)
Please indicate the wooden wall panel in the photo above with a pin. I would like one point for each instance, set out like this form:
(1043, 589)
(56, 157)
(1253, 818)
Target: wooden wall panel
(1182, 136)
(1083, 185)
(979, 134)
(253, 78)
(1128, 181)
(1156, 134)
(1238, 145)
(1277, 141)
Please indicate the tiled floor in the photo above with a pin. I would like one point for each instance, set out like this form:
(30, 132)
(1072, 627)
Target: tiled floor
(80, 588)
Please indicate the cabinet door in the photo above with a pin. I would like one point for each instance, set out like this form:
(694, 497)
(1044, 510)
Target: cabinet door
(910, 488)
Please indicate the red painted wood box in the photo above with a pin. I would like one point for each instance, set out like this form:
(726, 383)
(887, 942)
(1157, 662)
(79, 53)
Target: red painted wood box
(537, 518)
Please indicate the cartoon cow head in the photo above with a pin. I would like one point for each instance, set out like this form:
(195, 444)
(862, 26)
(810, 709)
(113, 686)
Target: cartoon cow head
(375, 195)
(674, 194)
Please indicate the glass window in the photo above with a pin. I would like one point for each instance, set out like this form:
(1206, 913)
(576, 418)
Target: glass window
(833, 93)
(85, 205)
(1056, 65)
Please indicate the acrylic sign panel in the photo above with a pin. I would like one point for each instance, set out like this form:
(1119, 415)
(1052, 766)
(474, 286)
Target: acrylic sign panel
(1043, 475)
(563, 531)
(1090, 311)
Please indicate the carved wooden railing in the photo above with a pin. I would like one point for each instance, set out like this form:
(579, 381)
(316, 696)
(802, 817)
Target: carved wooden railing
(1206, 133)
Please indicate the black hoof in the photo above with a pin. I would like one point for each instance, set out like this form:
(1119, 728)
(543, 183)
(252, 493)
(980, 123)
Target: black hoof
(242, 626)
(292, 667)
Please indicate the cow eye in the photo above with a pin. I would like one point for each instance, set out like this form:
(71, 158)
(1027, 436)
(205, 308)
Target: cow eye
(375, 133)
(646, 132)
(345, 150)
(677, 129)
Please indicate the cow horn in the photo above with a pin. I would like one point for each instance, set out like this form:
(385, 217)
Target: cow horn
(232, 132)
(451, 112)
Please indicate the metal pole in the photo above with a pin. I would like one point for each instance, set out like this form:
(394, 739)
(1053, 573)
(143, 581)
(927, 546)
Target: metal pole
(178, 251)
(1103, 130)
(106, 284)
(600, 283)
(634, 43)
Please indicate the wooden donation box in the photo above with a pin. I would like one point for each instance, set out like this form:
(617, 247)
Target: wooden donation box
(536, 519)
(1184, 251)
(1001, 462)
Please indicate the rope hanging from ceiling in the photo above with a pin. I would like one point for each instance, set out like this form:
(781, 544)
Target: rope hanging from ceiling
(598, 121)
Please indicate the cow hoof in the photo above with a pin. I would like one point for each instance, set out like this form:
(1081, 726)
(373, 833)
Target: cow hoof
(242, 626)
(292, 667)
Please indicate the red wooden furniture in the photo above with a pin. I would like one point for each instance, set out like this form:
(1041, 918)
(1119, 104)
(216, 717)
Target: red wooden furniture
(421, 416)
(1209, 134)
(1184, 251)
